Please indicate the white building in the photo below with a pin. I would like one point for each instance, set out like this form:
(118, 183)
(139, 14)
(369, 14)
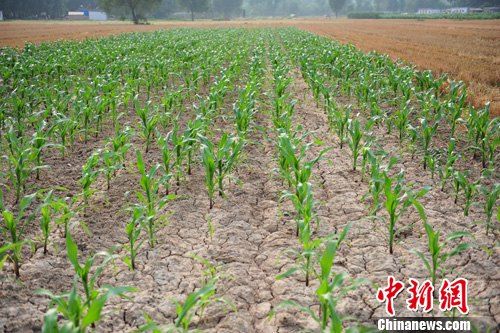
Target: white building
(458, 10)
(91, 15)
(76, 16)
(429, 11)
(97, 16)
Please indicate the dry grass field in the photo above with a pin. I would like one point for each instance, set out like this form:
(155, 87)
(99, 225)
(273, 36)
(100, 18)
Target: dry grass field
(467, 50)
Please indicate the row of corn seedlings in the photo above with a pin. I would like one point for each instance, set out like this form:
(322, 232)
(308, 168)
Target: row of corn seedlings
(374, 80)
(387, 189)
(317, 255)
(64, 120)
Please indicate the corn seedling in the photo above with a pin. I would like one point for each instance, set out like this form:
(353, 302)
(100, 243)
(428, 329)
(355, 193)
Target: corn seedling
(133, 230)
(90, 173)
(437, 252)
(303, 202)
(120, 144)
(49, 207)
(196, 300)
(355, 135)
(148, 124)
(401, 119)
(84, 273)
(332, 287)
(13, 230)
(150, 201)
(166, 159)
(446, 171)
(193, 130)
(209, 159)
(426, 134)
(78, 314)
(222, 160)
(38, 143)
(377, 177)
(456, 184)
(470, 189)
(491, 196)
(18, 161)
(110, 164)
(342, 116)
(397, 199)
(178, 145)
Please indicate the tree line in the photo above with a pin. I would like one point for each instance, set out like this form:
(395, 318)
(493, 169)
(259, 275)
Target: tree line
(139, 10)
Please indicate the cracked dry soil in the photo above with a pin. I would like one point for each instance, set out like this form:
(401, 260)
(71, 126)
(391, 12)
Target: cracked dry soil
(253, 232)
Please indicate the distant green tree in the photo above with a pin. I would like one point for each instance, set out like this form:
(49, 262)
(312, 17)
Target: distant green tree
(137, 9)
(227, 7)
(78, 4)
(336, 6)
(33, 9)
(195, 6)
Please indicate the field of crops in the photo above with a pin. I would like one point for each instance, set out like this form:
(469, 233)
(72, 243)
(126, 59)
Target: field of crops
(236, 180)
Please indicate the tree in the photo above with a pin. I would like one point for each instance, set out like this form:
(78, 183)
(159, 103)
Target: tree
(195, 6)
(137, 9)
(227, 7)
(337, 6)
(34, 9)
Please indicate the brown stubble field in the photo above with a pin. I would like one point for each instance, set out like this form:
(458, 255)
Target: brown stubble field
(467, 50)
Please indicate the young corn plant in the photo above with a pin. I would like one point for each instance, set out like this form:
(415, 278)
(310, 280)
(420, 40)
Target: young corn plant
(401, 119)
(377, 178)
(438, 254)
(148, 124)
(219, 162)
(341, 123)
(397, 199)
(49, 207)
(491, 197)
(65, 128)
(303, 202)
(244, 110)
(331, 283)
(193, 130)
(38, 144)
(111, 162)
(150, 201)
(484, 132)
(78, 314)
(66, 213)
(209, 161)
(194, 304)
(332, 287)
(13, 228)
(19, 160)
(120, 144)
(427, 132)
(470, 190)
(446, 171)
(355, 136)
(432, 163)
(90, 173)
(166, 159)
(195, 301)
(133, 230)
(84, 273)
(179, 149)
(456, 184)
